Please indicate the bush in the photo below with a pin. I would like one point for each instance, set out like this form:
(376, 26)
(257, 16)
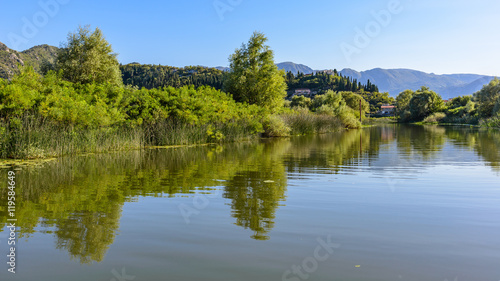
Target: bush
(348, 118)
(435, 117)
(275, 126)
(493, 122)
(303, 122)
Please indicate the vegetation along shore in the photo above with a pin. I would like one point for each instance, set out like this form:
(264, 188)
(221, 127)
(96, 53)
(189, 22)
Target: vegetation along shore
(83, 101)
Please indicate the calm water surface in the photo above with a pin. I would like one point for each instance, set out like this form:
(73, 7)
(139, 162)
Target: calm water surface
(382, 203)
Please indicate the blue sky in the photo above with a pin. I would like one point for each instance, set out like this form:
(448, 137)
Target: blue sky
(433, 36)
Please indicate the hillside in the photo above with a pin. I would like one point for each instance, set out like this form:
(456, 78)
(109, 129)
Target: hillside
(158, 76)
(36, 56)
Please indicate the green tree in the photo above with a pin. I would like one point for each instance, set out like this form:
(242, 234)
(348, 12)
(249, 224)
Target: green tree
(488, 99)
(403, 105)
(21, 93)
(254, 78)
(376, 99)
(352, 100)
(301, 101)
(87, 57)
(424, 103)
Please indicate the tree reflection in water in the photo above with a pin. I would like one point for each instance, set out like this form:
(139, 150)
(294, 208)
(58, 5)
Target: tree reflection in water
(80, 199)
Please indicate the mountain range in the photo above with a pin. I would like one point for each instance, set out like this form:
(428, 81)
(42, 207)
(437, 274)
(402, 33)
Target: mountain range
(393, 81)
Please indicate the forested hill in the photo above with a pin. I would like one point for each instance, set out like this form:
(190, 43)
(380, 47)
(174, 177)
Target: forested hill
(157, 76)
(323, 81)
(38, 57)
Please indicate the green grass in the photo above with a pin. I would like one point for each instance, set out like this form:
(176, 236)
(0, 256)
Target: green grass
(304, 122)
(32, 136)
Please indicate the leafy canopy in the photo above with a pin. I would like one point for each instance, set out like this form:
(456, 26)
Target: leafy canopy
(87, 57)
(415, 106)
(488, 99)
(424, 103)
(254, 78)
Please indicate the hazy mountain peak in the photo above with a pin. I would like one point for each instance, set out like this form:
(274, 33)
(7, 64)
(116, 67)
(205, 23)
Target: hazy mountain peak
(395, 81)
(294, 67)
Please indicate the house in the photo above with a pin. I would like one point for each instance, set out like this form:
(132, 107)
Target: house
(387, 109)
(302, 92)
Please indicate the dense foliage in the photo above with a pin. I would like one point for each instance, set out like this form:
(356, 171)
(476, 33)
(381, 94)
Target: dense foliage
(253, 77)
(158, 76)
(87, 57)
(157, 113)
(324, 81)
(488, 99)
(376, 100)
(344, 105)
(415, 106)
(424, 105)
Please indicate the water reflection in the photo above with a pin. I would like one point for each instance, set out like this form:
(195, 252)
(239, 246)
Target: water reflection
(257, 189)
(79, 200)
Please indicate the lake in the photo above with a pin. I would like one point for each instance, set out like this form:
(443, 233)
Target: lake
(382, 203)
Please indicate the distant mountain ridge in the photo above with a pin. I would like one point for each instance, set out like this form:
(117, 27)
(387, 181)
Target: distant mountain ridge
(395, 81)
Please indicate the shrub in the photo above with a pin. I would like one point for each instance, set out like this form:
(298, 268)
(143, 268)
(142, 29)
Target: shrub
(302, 121)
(493, 122)
(435, 117)
(275, 126)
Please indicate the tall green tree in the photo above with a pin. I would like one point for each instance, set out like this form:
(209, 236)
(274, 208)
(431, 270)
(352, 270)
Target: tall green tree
(425, 102)
(488, 99)
(403, 105)
(254, 78)
(87, 57)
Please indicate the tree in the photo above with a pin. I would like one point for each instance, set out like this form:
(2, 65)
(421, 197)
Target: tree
(87, 57)
(403, 105)
(352, 100)
(424, 103)
(301, 101)
(488, 99)
(21, 94)
(254, 78)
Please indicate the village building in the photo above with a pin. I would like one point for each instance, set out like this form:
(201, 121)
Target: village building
(302, 92)
(387, 110)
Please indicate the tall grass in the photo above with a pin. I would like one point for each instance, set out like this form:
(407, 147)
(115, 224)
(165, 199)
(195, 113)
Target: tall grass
(493, 122)
(301, 121)
(435, 117)
(174, 132)
(33, 136)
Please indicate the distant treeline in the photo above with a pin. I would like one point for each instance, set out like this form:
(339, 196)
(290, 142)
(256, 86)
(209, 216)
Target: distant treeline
(424, 105)
(324, 81)
(159, 76)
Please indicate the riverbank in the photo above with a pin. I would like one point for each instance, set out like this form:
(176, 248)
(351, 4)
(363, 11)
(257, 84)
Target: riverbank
(34, 137)
(47, 116)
